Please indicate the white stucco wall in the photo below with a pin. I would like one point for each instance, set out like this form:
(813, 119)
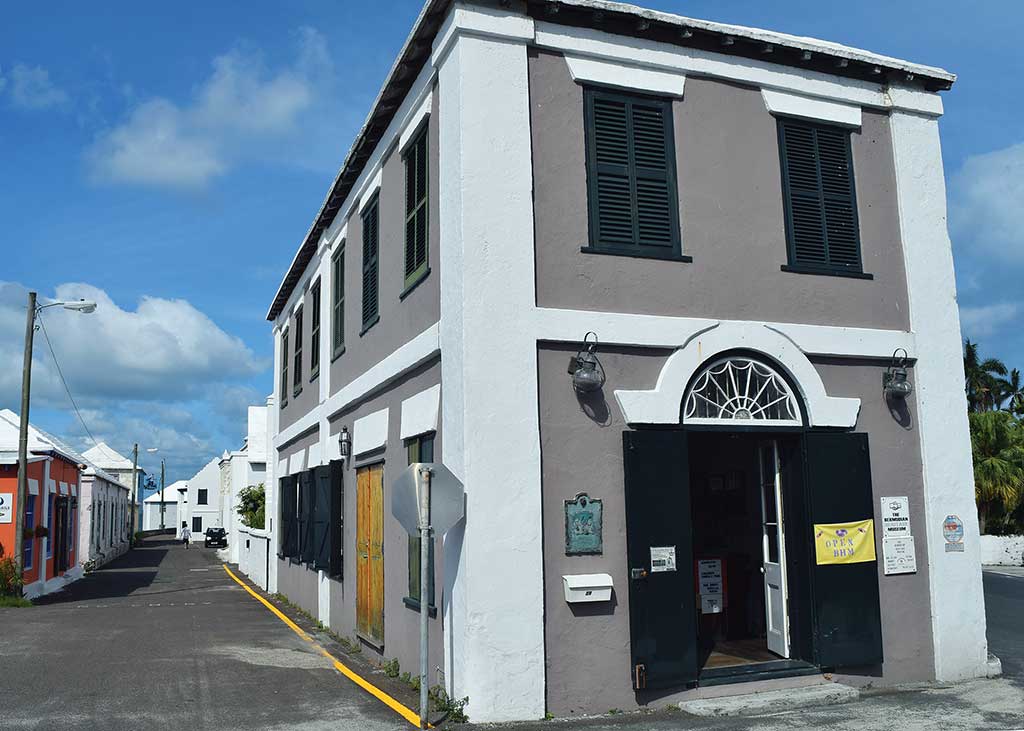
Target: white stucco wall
(1002, 550)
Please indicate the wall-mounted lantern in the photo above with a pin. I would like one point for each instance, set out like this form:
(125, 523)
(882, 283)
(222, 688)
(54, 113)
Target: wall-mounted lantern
(345, 443)
(584, 367)
(894, 380)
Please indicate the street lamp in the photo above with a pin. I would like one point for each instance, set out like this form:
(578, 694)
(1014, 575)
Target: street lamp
(85, 307)
(153, 450)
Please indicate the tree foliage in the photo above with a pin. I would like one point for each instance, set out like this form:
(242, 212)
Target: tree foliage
(252, 502)
(995, 401)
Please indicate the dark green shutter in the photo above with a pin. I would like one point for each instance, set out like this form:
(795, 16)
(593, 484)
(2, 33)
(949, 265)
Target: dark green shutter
(847, 618)
(338, 300)
(370, 263)
(631, 173)
(322, 504)
(416, 205)
(307, 498)
(289, 539)
(819, 197)
(337, 518)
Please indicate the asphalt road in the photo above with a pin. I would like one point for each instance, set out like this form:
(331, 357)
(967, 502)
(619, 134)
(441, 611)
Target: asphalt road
(1004, 613)
(164, 639)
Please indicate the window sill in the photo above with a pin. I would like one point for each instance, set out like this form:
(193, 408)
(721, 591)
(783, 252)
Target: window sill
(638, 253)
(314, 375)
(296, 392)
(797, 269)
(414, 282)
(367, 325)
(338, 353)
(414, 604)
(283, 404)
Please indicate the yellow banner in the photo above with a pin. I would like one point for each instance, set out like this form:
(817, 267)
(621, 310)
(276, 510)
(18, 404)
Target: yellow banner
(845, 542)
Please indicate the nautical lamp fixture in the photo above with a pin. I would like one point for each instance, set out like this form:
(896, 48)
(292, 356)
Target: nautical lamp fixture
(584, 367)
(345, 443)
(894, 380)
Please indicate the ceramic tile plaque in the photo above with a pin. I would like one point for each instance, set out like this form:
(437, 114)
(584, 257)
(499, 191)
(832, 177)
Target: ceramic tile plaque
(583, 526)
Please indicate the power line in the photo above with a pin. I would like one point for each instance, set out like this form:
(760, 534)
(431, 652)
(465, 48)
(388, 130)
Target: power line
(42, 325)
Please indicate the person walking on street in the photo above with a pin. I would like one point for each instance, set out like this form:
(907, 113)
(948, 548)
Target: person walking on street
(186, 536)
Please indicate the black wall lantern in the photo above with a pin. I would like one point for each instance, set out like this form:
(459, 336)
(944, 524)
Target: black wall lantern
(584, 367)
(894, 380)
(345, 443)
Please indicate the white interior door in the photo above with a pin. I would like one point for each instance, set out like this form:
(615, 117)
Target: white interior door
(773, 546)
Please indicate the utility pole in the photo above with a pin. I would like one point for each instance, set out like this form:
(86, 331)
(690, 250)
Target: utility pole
(161, 494)
(135, 486)
(26, 389)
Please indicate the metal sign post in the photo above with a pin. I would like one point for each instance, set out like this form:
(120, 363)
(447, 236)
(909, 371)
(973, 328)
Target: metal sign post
(424, 475)
(426, 497)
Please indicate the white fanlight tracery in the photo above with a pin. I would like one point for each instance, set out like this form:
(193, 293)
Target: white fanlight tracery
(737, 389)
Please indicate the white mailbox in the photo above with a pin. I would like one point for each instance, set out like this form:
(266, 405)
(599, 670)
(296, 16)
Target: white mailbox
(587, 588)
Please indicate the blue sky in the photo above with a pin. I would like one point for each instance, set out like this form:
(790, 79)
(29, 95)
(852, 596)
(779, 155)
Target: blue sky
(167, 160)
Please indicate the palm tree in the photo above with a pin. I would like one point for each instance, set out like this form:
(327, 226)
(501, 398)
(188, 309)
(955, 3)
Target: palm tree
(997, 445)
(1013, 394)
(982, 382)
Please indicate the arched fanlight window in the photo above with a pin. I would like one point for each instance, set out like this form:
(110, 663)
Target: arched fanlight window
(740, 389)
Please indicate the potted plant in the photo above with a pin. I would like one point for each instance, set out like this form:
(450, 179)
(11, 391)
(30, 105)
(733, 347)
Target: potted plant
(42, 531)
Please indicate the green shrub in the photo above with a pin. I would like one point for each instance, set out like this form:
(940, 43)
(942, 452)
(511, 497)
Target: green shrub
(10, 576)
(391, 668)
(252, 502)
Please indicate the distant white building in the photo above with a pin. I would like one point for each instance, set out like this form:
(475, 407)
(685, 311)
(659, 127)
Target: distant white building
(240, 469)
(199, 505)
(160, 510)
(114, 463)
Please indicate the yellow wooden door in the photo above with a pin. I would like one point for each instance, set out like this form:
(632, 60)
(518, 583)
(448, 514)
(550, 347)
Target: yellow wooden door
(370, 552)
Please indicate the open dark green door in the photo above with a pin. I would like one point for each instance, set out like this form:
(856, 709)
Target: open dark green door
(848, 624)
(662, 612)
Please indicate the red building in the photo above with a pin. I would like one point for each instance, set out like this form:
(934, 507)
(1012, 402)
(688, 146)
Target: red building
(52, 520)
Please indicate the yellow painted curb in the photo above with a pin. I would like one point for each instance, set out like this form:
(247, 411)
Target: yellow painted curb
(407, 713)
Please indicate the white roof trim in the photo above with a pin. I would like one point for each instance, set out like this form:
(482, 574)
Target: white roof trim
(797, 105)
(625, 76)
(814, 45)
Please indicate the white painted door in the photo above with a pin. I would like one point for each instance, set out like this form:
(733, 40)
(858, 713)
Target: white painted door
(773, 546)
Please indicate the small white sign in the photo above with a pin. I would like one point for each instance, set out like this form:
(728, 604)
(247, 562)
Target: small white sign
(711, 604)
(6, 507)
(663, 558)
(898, 555)
(895, 517)
(709, 577)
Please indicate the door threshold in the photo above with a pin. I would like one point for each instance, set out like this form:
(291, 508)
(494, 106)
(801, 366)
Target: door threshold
(757, 671)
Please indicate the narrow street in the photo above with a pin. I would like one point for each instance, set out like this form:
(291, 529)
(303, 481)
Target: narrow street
(163, 638)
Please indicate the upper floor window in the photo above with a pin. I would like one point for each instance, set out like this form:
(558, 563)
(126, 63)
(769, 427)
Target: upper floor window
(416, 208)
(297, 358)
(338, 301)
(314, 334)
(202, 496)
(371, 294)
(819, 198)
(631, 175)
(284, 368)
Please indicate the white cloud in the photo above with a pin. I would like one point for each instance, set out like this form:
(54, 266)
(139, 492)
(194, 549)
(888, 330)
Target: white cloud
(239, 112)
(31, 88)
(987, 204)
(984, 320)
(163, 350)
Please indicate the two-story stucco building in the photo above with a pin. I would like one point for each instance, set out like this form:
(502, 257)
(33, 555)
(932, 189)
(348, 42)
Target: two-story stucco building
(750, 225)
